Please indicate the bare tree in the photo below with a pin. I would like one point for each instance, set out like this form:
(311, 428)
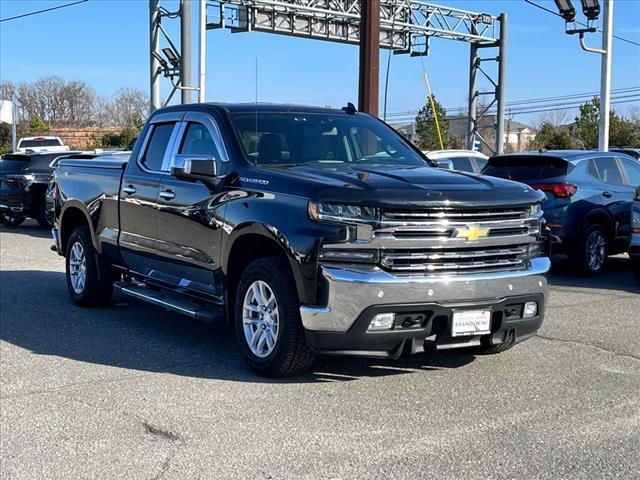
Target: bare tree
(129, 106)
(555, 117)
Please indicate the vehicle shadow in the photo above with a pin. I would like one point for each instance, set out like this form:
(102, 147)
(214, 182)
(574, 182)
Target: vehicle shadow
(618, 276)
(38, 315)
(30, 228)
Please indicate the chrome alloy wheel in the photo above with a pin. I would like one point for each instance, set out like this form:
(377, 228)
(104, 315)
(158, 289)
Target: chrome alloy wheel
(77, 268)
(260, 319)
(596, 251)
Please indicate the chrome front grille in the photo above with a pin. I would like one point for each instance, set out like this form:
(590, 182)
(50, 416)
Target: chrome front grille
(448, 241)
(456, 261)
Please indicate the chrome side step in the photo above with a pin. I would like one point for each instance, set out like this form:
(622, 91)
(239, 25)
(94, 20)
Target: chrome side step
(171, 301)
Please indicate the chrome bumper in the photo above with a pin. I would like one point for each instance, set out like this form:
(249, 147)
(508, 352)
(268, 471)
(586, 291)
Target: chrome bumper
(353, 290)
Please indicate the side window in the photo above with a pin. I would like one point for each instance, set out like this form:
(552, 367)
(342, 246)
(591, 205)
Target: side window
(197, 141)
(608, 170)
(481, 162)
(462, 163)
(592, 169)
(157, 146)
(632, 169)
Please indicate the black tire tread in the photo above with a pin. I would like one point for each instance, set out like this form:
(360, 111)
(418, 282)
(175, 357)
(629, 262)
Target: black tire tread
(99, 284)
(297, 355)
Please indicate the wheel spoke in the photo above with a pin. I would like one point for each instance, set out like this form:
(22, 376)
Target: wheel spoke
(260, 317)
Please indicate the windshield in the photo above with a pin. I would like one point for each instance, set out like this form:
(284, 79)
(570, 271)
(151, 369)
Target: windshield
(321, 140)
(40, 142)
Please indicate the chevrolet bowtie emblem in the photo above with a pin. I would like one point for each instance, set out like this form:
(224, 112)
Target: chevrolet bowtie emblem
(472, 232)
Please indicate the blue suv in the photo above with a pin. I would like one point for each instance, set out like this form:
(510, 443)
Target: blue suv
(588, 204)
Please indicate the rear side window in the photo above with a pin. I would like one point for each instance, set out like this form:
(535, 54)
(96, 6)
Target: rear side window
(157, 146)
(523, 168)
(197, 141)
(462, 163)
(632, 169)
(606, 169)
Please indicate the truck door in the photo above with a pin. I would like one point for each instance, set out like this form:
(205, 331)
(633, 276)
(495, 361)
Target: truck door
(139, 194)
(190, 213)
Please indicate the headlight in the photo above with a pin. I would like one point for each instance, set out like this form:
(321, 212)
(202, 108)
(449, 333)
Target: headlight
(342, 213)
(535, 210)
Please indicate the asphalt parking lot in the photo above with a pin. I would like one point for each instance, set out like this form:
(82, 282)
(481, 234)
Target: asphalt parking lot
(131, 391)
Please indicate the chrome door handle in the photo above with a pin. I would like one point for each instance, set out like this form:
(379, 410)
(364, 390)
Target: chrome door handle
(129, 190)
(167, 195)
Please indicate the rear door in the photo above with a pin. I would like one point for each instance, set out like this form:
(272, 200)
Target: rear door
(616, 196)
(139, 194)
(190, 213)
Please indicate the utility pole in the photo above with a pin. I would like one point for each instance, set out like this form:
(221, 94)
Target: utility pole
(154, 46)
(369, 77)
(502, 80)
(185, 51)
(605, 77)
(202, 51)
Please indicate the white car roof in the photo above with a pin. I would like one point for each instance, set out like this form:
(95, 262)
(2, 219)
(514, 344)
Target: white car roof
(435, 154)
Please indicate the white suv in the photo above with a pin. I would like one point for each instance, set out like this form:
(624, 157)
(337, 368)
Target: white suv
(41, 144)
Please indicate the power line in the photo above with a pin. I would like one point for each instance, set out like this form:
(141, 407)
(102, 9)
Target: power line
(541, 7)
(530, 103)
(42, 11)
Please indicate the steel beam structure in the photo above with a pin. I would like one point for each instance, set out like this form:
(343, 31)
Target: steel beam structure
(369, 71)
(405, 26)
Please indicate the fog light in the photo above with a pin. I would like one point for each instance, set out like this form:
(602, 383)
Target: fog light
(382, 321)
(530, 309)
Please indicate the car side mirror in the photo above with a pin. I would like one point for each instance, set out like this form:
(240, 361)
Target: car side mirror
(193, 168)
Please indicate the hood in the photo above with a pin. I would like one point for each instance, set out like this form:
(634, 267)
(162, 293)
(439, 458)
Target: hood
(407, 186)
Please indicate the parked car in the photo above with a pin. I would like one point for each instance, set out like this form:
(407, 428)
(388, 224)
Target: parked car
(312, 230)
(588, 199)
(463, 160)
(41, 144)
(632, 152)
(634, 249)
(24, 178)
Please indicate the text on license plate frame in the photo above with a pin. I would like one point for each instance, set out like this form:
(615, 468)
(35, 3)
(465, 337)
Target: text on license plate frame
(466, 323)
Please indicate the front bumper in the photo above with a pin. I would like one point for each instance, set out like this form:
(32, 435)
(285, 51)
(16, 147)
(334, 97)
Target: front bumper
(355, 295)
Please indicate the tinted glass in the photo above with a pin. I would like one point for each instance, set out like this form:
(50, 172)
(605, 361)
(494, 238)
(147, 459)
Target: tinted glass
(157, 146)
(481, 162)
(462, 163)
(608, 170)
(44, 142)
(197, 141)
(632, 169)
(523, 168)
(322, 140)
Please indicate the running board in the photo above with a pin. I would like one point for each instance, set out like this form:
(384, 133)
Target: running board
(171, 301)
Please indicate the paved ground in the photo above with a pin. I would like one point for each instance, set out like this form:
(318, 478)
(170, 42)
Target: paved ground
(140, 393)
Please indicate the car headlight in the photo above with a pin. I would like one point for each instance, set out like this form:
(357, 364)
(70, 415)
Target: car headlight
(342, 213)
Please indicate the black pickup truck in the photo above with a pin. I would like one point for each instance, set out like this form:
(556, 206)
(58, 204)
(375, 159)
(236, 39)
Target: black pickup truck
(310, 230)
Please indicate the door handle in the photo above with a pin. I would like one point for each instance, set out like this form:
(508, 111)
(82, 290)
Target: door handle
(607, 194)
(129, 189)
(167, 195)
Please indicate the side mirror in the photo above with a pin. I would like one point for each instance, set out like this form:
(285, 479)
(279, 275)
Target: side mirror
(194, 168)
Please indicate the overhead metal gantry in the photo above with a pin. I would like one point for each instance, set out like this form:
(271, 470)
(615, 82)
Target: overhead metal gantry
(405, 26)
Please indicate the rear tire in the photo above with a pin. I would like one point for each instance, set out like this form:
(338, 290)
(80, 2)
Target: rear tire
(88, 276)
(591, 251)
(10, 219)
(267, 320)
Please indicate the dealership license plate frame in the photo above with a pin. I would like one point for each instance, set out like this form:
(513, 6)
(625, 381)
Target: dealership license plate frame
(473, 316)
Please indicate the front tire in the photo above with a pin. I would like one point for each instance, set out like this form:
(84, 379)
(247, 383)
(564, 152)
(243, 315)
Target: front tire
(88, 278)
(267, 320)
(591, 251)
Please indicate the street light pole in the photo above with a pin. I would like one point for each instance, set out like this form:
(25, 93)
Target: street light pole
(605, 79)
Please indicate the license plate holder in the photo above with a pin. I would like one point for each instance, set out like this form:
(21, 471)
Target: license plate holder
(465, 323)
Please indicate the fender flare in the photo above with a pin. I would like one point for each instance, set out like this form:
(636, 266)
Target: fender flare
(82, 208)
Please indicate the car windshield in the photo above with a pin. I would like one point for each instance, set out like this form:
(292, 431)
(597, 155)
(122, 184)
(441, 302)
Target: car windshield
(321, 140)
(40, 142)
